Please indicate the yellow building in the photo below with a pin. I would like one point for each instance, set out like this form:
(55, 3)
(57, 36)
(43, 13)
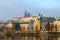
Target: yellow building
(9, 25)
(36, 25)
(26, 26)
(57, 24)
(27, 19)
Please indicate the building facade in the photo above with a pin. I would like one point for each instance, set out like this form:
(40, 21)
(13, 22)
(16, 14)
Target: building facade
(57, 24)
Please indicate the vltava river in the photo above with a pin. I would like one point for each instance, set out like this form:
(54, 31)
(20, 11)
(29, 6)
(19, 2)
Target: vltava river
(30, 38)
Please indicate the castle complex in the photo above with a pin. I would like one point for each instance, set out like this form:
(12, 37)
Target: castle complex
(30, 23)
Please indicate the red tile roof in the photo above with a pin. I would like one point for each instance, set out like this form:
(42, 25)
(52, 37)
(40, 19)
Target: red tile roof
(27, 16)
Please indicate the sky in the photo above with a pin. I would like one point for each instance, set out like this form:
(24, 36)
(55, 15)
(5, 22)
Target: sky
(16, 8)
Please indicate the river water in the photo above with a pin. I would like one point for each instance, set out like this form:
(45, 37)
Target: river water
(30, 38)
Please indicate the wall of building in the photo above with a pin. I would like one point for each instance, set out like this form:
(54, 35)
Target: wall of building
(9, 25)
(24, 26)
(57, 25)
(36, 25)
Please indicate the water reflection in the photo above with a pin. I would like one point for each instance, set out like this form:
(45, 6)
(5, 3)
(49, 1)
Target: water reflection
(30, 38)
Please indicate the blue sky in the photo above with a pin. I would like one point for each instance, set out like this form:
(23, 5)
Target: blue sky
(16, 8)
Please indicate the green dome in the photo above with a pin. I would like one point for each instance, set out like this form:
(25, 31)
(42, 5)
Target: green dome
(39, 16)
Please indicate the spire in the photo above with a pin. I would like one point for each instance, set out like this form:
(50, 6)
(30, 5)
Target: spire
(25, 13)
(40, 14)
(29, 14)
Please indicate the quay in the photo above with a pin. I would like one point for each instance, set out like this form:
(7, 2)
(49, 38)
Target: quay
(34, 34)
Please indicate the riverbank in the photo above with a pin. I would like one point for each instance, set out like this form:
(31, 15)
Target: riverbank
(34, 34)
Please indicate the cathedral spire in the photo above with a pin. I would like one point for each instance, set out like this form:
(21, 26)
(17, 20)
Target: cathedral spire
(25, 14)
(29, 13)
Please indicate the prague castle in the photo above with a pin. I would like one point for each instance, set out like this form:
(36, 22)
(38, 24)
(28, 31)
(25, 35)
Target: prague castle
(29, 22)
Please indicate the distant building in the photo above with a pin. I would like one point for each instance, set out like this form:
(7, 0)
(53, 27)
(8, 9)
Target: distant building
(3, 26)
(57, 24)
